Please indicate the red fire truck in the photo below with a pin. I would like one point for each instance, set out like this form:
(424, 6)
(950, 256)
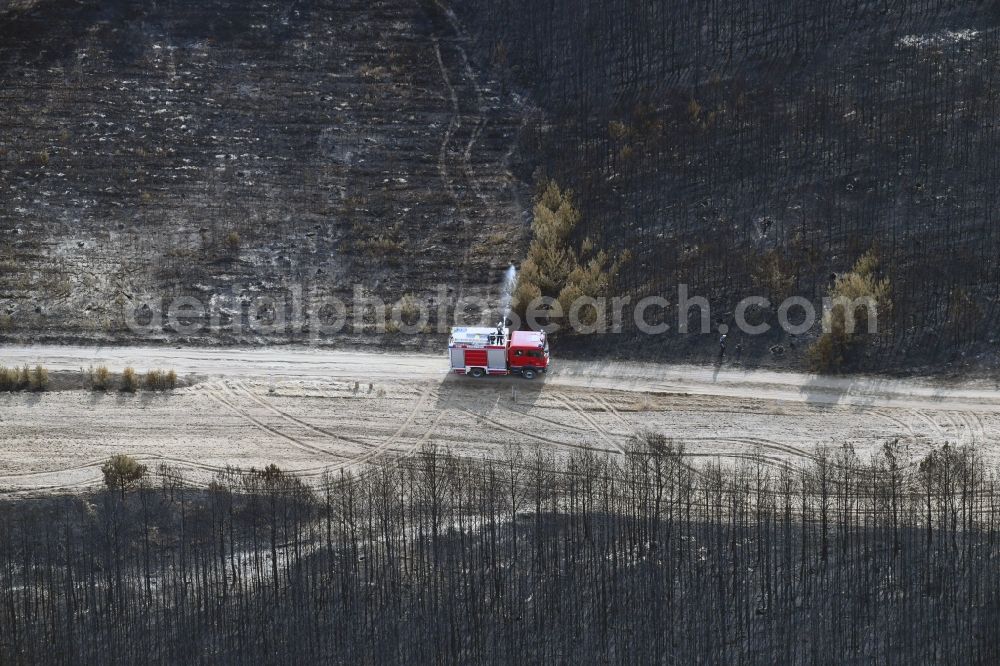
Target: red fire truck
(480, 351)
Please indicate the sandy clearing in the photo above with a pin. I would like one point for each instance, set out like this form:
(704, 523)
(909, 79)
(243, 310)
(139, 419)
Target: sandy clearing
(277, 363)
(312, 411)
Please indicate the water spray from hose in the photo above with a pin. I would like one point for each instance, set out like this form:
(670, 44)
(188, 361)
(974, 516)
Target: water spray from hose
(507, 291)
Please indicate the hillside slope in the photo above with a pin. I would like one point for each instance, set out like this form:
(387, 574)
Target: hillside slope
(719, 138)
(225, 149)
(231, 150)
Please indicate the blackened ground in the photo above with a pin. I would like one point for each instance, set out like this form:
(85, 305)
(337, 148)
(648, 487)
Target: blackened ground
(228, 148)
(707, 137)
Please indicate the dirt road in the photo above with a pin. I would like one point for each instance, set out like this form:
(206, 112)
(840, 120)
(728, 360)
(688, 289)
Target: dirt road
(313, 411)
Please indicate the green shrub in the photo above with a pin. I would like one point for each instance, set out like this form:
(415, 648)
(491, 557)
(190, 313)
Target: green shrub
(381, 245)
(160, 380)
(233, 243)
(100, 378)
(840, 341)
(270, 474)
(39, 378)
(554, 268)
(130, 380)
(409, 308)
(122, 472)
(153, 380)
(774, 276)
(9, 380)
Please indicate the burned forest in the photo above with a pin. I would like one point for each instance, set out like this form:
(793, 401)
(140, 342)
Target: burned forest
(746, 146)
(217, 149)
(499, 332)
(157, 150)
(523, 558)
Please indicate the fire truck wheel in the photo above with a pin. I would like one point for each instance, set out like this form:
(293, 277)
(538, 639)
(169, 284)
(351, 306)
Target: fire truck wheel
(477, 372)
(528, 373)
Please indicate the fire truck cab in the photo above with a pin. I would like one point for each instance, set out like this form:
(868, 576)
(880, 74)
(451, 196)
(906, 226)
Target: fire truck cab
(480, 351)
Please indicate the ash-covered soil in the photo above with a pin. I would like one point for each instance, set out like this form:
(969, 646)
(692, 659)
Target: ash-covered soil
(230, 149)
(752, 147)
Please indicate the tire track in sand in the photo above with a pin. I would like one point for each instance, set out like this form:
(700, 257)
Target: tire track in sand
(570, 404)
(935, 426)
(757, 442)
(297, 443)
(408, 451)
(530, 435)
(605, 404)
(382, 447)
(266, 404)
(547, 421)
(760, 443)
(978, 421)
(952, 424)
(97, 480)
(418, 408)
(906, 427)
(968, 424)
